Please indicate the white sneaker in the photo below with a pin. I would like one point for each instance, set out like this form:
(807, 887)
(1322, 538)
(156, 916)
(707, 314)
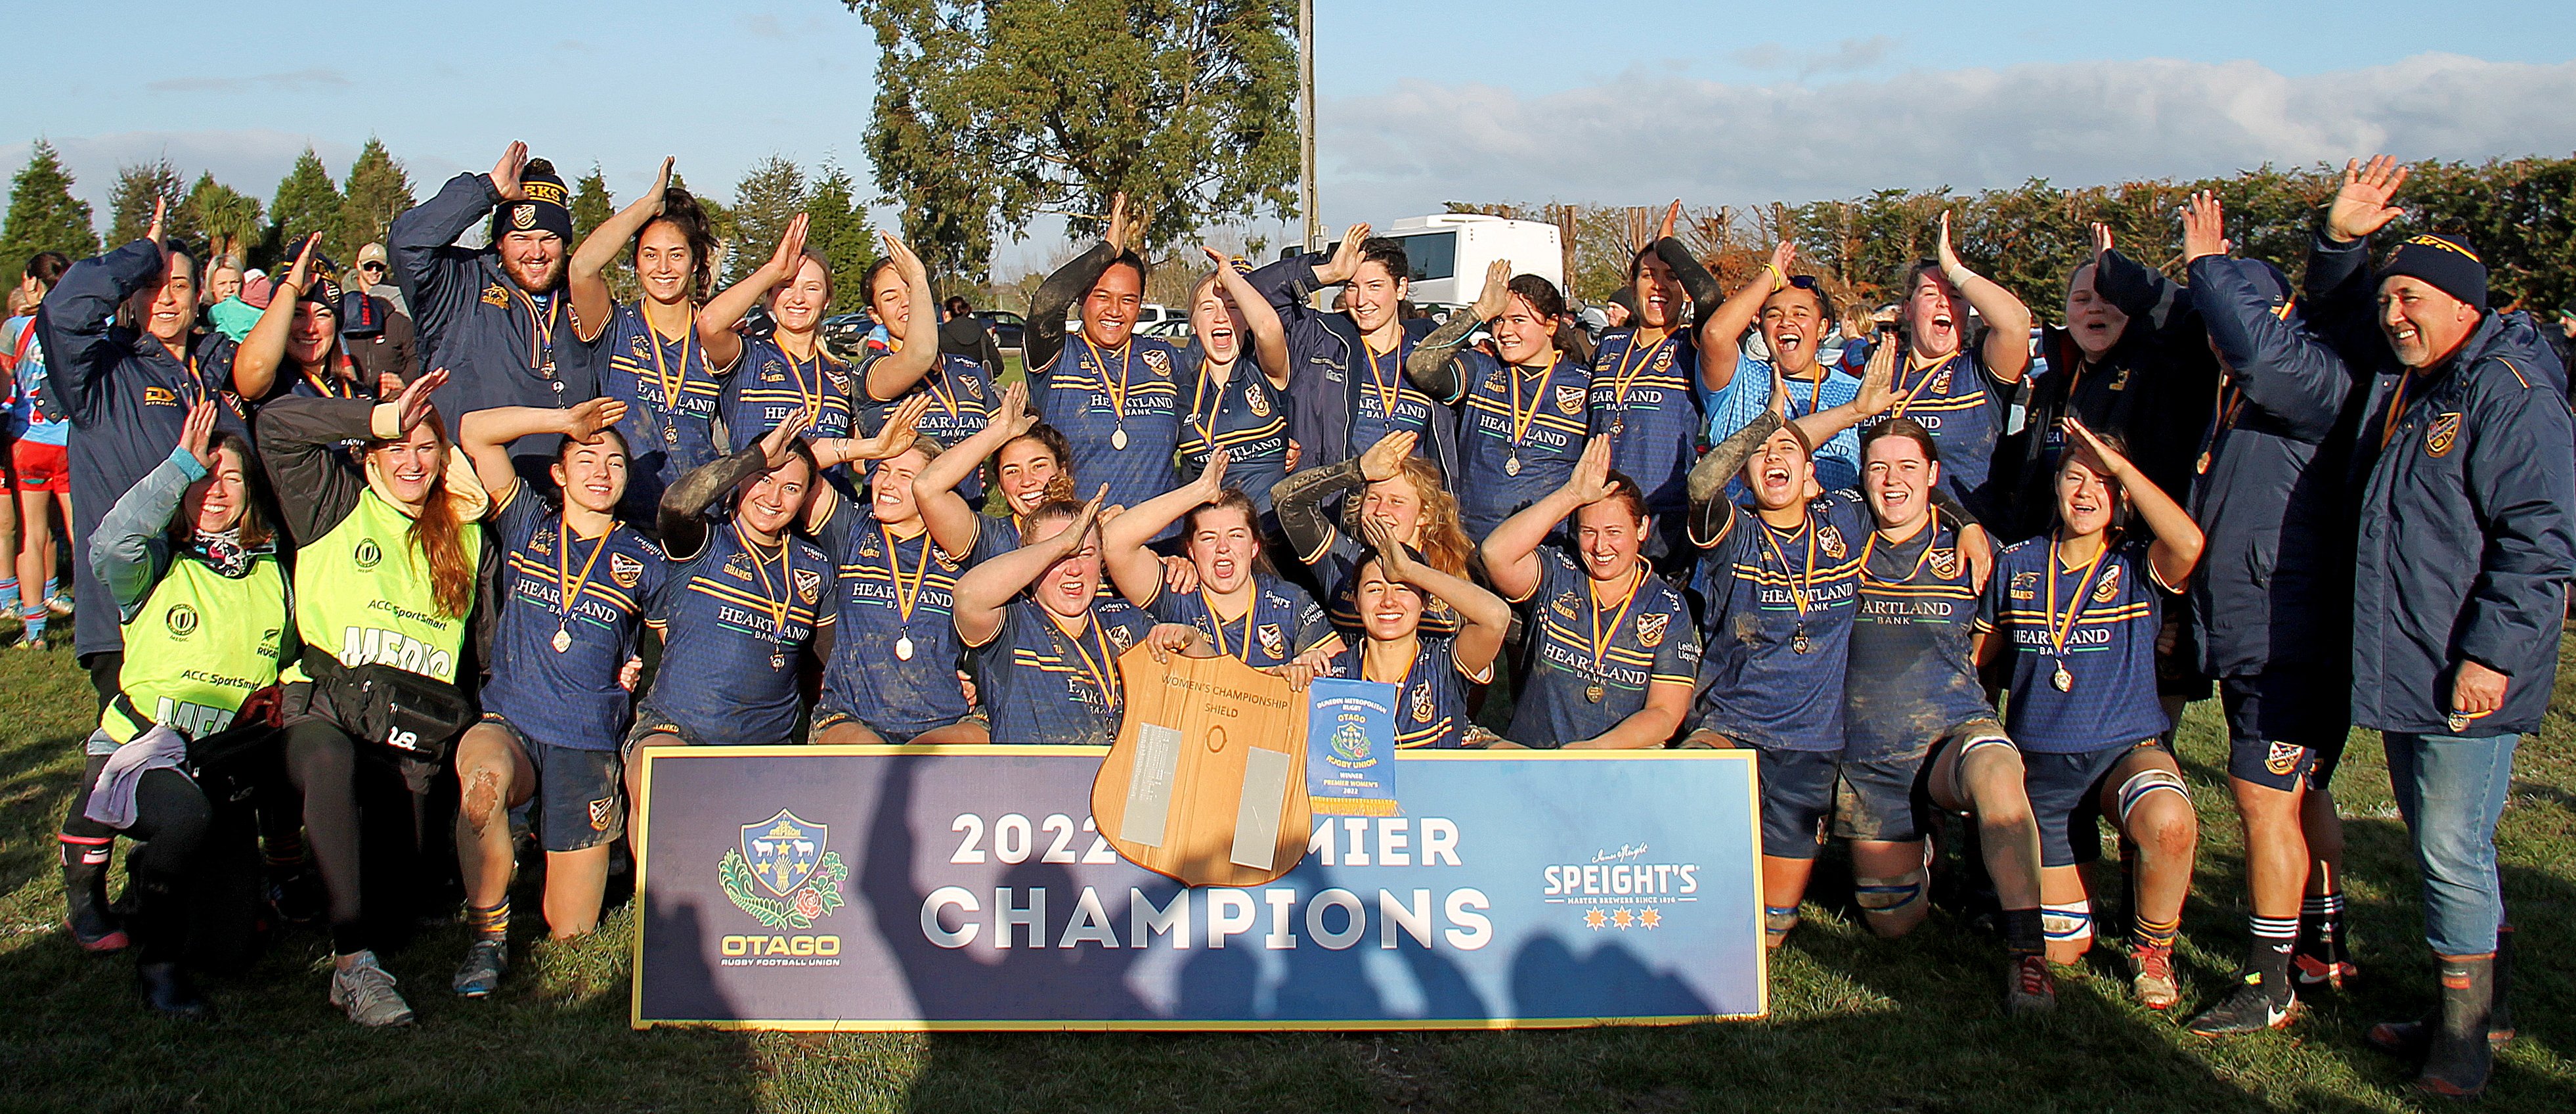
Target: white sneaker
(365, 989)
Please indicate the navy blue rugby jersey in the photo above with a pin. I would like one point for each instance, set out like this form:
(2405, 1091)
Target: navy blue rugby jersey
(1643, 635)
(2109, 612)
(1647, 398)
(1431, 707)
(734, 623)
(1519, 434)
(1756, 685)
(1913, 660)
(1087, 391)
(1041, 685)
(1955, 400)
(767, 385)
(1338, 569)
(1283, 622)
(1245, 416)
(1388, 402)
(962, 401)
(671, 399)
(554, 672)
(895, 652)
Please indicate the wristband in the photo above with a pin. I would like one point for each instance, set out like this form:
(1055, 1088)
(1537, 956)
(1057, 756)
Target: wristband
(1779, 282)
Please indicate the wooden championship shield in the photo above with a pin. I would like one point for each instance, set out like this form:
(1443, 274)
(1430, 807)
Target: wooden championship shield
(1207, 781)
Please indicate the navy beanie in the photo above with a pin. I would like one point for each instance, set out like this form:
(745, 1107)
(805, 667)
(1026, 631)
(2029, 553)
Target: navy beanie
(2446, 262)
(548, 207)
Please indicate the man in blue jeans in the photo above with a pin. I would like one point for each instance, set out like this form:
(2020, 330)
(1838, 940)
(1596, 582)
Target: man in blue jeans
(2464, 477)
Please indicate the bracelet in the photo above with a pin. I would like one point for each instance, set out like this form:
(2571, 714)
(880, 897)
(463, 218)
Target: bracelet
(1779, 282)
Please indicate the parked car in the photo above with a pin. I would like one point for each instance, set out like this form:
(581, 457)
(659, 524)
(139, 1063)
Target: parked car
(1010, 330)
(1170, 328)
(844, 331)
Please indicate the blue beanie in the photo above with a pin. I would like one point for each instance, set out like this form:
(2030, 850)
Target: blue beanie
(2446, 262)
(548, 207)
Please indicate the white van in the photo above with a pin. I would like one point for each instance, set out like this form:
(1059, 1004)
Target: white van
(1449, 252)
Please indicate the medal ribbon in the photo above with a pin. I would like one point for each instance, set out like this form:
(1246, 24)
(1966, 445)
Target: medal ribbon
(1798, 585)
(1098, 671)
(2058, 632)
(813, 404)
(1630, 370)
(1521, 422)
(1198, 390)
(2396, 408)
(1218, 621)
(570, 589)
(1118, 394)
(1601, 637)
(1906, 398)
(779, 607)
(1932, 534)
(1387, 392)
(905, 599)
(670, 384)
(541, 330)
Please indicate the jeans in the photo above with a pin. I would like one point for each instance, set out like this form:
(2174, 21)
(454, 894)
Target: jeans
(2451, 790)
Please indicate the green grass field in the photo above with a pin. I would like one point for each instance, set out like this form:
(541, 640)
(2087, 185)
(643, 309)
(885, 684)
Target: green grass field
(1858, 1024)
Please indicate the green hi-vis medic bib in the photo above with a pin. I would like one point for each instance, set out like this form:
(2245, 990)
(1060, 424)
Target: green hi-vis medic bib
(202, 643)
(363, 595)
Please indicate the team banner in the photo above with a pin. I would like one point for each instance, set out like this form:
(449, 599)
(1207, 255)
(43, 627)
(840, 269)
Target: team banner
(887, 888)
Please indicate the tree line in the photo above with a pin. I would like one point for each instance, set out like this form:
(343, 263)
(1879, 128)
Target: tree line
(2521, 214)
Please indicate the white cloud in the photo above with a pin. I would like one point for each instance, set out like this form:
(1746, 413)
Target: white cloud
(1847, 56)
(312, 79)
(1646, 136)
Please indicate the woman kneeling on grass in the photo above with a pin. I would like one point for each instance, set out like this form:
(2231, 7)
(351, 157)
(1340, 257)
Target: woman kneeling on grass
(2078, 609)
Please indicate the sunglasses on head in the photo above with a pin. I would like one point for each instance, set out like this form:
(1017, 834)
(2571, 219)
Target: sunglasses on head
(1803, 282)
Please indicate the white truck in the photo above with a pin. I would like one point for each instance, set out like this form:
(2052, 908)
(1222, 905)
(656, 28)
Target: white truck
(1449, 252)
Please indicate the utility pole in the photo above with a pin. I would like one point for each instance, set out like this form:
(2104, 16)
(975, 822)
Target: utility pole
(1306, 126)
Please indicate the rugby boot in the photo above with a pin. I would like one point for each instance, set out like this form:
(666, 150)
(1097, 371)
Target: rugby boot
(363, 987)
(480, 974)
(2252, 1008)
(2152, 976)
(94, 926)
(2459, 1055)
(2029, 988)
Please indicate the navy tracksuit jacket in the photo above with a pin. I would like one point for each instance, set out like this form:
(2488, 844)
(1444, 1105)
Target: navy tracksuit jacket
(1323, 390)
(473, 323)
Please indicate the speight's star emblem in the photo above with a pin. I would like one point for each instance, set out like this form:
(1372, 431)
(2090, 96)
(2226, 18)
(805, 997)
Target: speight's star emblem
(1651, 919)
(1624, 919)
(1593, 919)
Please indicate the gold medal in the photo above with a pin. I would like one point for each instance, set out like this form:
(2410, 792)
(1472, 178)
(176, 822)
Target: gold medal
(563, 640)
(1618, 426)
(670, 435)
(1118, 440)
(1512, 466)
(2058, 632)
(2064, 680)
(2201, 466)
(1798, 643)
(903, 648)
(2459, 721)
(1595, 692)
(778, 661)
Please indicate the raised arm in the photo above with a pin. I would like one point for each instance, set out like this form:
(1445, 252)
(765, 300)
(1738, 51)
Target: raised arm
(255, 362)
(2176, 550)
(1486, 618)
(1722, 330)
(78, 315)
(2283, 369)
(2006, 350)
(1043, 338)
(1135, 569)
(1511, 551)
(1433, 366)
(935, 489)
(131, 546)
(1712, 513)
(1703, 288)
(299, 443)
(485, 435)
(1269, 335)
(419, 240)
(985, 590)
(890, 375)
(682, 513)
(717, 318)
(1877, 393)
(1299, 499)
(590, 300)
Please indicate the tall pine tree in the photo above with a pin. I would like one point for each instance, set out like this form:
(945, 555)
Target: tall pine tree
(837, 226)
(138, 187)
(592, 205)
(43, 214)
(378, 191)
(306, 203)
(765, 200)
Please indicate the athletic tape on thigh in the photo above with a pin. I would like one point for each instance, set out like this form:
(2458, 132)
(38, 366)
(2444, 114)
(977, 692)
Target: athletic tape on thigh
(1983, 739)
(2066, 923)
(1888, 895)
(2144, 782)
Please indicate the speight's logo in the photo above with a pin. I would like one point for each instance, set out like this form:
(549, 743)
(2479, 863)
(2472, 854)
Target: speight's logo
(783, 875)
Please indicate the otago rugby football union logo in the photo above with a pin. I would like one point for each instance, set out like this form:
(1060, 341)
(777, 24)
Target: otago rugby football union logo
(782, 874)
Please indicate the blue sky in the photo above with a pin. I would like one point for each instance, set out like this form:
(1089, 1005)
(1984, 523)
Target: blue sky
(1423, 102)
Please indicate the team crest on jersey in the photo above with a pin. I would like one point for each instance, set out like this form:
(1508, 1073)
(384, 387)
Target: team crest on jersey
(1159, 362)
(2283, 758)
(1257, 399)
(1569, 400)
(1664, 359)
(181, 619)
(543, 542)
(1564, 604)
(840, 379)
(809, 584)
(1123, 637)
(737, 567)
(2109, 588)
(493, 295)
(367, 555)
(974, 390)
(2120, 379)
(624, 570)
(1830, 540)
(1941, 384)
(1945, 563)
(1422, 708)
(2025, 585)
(2442, 434)
(636, 347)
(868, 546)
(1274, 642)
(1651, 628)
